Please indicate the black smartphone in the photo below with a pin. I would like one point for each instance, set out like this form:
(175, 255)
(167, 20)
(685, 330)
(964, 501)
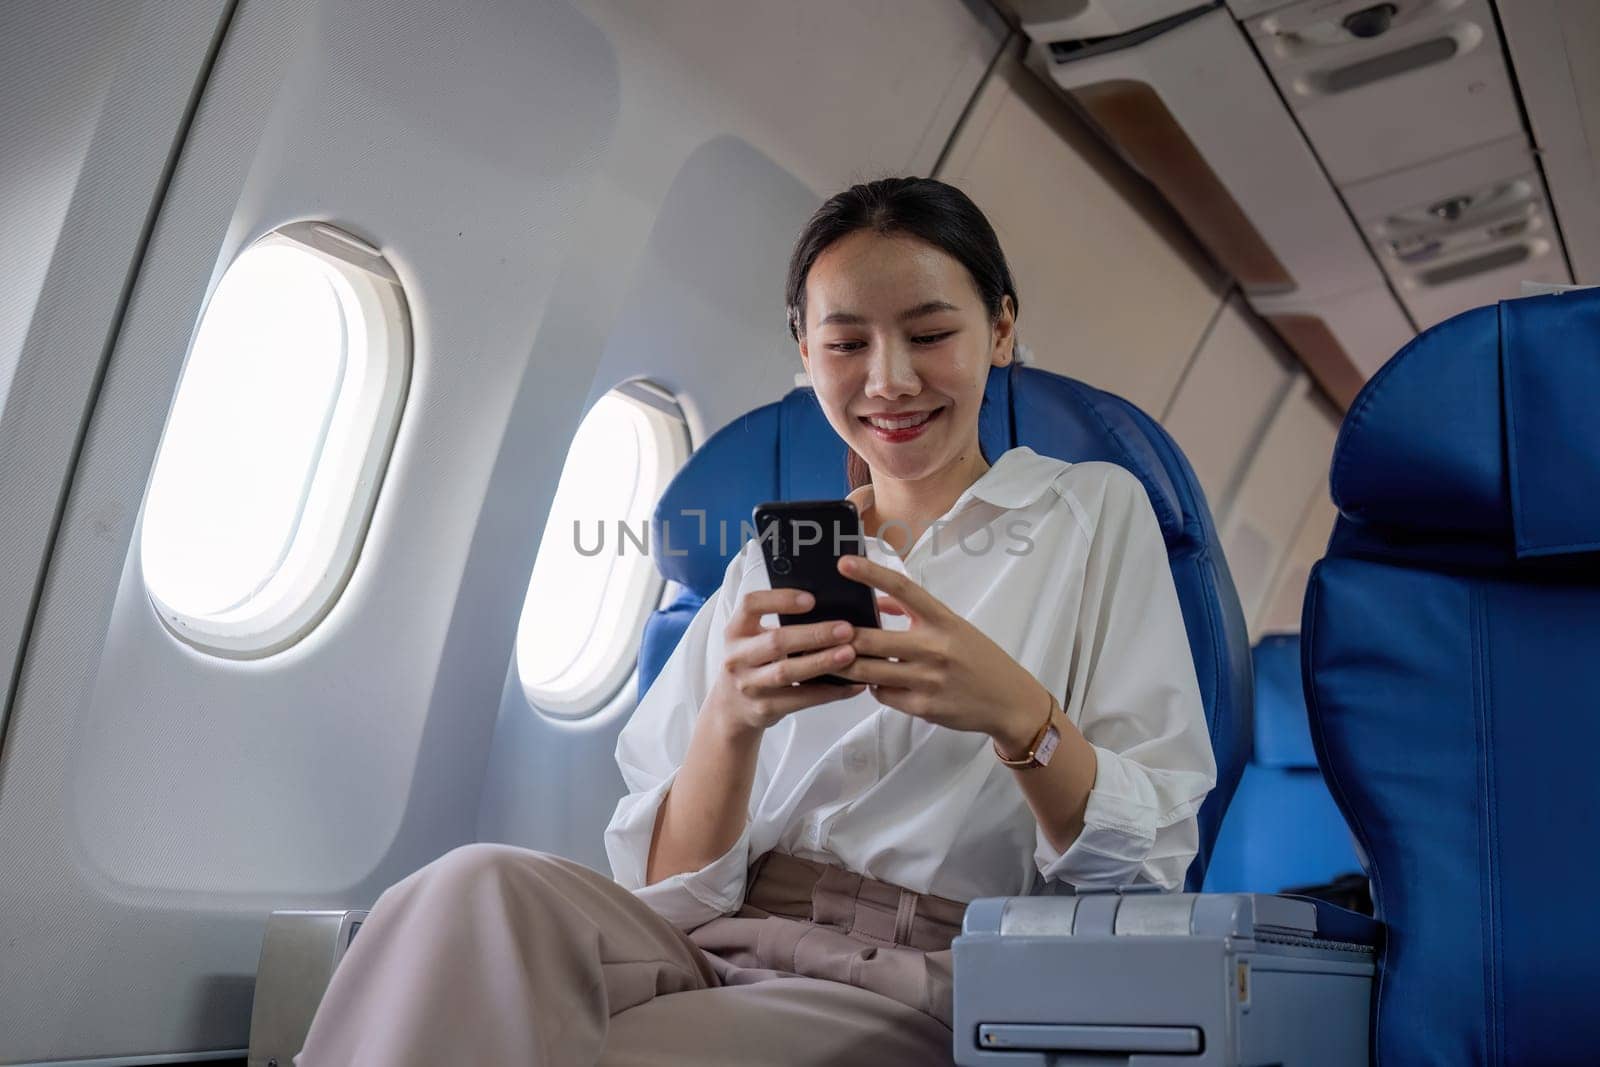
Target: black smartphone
(802, 542)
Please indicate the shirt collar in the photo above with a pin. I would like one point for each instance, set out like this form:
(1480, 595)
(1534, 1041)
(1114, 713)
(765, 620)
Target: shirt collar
(1018, 478)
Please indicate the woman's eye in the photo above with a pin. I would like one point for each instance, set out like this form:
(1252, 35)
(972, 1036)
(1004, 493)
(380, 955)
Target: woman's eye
(932, 338)
(846, 346)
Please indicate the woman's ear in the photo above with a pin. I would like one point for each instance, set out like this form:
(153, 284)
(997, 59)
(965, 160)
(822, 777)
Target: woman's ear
(1005, 333)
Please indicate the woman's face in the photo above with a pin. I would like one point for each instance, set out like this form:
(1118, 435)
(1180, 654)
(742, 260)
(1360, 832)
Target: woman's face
(899, 345)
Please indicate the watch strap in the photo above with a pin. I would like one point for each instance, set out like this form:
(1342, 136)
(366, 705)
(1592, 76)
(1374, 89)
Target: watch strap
(1030, 758)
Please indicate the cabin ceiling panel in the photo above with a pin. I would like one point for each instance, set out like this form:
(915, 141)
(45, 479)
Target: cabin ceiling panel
(1553, 45)
(834, 91)
(1112, 290)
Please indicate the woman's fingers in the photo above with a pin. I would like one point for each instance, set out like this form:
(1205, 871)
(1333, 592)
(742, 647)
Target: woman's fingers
(791, 669)
(887, 644)
(746, 619)
(876, 672)
(775, 643)
(888, 605)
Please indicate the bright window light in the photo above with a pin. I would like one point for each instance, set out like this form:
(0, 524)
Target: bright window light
(593, 586)
(276, 442)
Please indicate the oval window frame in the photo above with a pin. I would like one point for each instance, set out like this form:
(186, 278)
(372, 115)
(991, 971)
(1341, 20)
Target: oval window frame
(342, 490)
(596, 686)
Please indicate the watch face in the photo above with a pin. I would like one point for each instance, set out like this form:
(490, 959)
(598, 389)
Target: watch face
(1047, 747)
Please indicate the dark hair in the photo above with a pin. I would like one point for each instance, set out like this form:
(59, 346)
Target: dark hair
(924, 208)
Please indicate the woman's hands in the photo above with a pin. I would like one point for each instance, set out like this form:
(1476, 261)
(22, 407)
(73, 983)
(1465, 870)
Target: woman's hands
(707, 806)
(755, 688)
(948, 671)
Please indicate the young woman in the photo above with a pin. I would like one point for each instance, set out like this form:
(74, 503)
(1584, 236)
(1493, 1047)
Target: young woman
(793, 858)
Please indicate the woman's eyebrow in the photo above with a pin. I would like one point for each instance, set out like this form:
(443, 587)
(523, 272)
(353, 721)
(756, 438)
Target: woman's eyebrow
(850, 318)
(925, 309)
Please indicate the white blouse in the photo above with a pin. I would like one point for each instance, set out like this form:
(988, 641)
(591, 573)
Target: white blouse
(1060, 564)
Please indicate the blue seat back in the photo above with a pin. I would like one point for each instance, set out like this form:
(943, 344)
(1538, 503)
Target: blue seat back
(788, 451)
(1450, 640)
(1283, 829)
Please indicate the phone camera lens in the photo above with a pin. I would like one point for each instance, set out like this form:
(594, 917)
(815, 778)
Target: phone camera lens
(781, 565)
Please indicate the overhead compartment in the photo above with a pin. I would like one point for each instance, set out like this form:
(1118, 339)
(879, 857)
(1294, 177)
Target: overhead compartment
(1189, 105)
(1191, 109)
(1460, 232)
(1383, 86)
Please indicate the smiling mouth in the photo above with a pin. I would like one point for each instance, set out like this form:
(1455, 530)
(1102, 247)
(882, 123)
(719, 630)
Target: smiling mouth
(902, 427)
(901, 422)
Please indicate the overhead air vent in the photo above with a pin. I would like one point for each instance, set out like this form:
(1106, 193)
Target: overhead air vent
(1431, 84)
(1462, 231)
(1471, 268)
(1388, 65)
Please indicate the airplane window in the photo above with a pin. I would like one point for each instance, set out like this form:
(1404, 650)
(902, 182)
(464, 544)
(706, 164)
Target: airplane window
(276, 444)
(594, 582)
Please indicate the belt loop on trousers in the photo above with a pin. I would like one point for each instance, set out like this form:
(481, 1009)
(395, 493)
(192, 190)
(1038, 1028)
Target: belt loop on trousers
(904, 916)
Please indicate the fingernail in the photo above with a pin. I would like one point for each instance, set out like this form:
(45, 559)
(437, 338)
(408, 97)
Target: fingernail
(843, 654)
(842, 630)
(805, 600)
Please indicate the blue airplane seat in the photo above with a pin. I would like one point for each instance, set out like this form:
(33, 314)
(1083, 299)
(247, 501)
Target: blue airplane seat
(1449, 655)
(1283, 829)
(788, 451)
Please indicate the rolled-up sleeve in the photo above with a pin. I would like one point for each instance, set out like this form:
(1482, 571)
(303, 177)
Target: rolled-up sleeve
(1134, 696)
(650, 749)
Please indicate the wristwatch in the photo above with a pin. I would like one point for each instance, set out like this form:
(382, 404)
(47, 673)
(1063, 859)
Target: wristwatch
(1043, 745)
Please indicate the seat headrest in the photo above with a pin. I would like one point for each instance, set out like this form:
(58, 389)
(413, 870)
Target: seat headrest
(1062, 417)
(1483, 430)
(788, 451)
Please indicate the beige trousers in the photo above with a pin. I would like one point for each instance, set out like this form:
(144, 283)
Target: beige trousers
(494, 955)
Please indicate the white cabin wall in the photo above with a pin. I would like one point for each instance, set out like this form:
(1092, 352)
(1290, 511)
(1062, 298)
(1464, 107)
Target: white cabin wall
(1219, 413)
(1282, 609)
(1286, 476)
(93, 106)
(155, 803)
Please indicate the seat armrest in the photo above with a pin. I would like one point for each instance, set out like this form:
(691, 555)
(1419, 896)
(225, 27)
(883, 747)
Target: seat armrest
(298, 955)
(1198, 979)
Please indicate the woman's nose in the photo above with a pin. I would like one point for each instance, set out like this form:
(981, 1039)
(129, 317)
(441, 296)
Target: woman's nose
(890, 372)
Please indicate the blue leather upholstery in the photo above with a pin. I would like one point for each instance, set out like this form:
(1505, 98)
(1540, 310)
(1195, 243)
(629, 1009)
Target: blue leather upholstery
(1282, 829)
(787, 451)
(1450, 641)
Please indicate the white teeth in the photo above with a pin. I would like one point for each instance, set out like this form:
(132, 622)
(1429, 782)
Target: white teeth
(901, 424)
